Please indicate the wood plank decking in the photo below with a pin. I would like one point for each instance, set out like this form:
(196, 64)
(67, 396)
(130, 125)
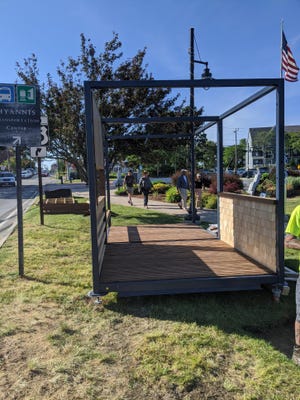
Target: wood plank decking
(164, 252)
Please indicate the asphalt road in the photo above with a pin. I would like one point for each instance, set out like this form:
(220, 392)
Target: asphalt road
(8, 204)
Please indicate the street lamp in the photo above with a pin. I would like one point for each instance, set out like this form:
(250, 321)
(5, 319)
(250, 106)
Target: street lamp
(205, 75)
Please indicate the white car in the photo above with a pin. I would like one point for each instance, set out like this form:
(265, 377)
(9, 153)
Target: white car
(7, 179)
(26, 173)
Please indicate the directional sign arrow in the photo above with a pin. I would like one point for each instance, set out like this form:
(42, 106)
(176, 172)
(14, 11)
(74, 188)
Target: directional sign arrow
(17, 140)
(38, 151)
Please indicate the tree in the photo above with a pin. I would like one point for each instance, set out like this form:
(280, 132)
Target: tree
(292, 147)
(230, 152)
(206, 155)
(63, 102)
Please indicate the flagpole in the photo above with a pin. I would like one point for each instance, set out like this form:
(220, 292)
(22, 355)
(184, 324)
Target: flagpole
(281, 75)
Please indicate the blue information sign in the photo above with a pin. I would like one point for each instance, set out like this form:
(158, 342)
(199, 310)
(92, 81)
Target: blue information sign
(7, 93)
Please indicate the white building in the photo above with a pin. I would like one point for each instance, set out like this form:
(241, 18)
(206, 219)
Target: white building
(260, 151)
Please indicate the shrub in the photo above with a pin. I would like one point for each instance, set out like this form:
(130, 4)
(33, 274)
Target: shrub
(264, 176)
(121, 191)
(160, 187)
(293, 172)
(290, 191)
(172, 196)
(232, 187)
(209, 200)
(231, 183)
(293, 181)
(267, 186)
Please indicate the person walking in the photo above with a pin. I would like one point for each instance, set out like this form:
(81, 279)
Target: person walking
(128, 184)
(292, 241)
(199, 183)
(145, 186)
(183, 186)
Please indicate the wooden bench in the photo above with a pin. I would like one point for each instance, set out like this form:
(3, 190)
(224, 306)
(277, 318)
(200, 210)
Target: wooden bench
(61, 201)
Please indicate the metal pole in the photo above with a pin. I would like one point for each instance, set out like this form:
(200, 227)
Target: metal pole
(107, 174)
(40, 190)
(220, 177)
(280, 172)
(192, 104)
(20, 212)
(235, 149)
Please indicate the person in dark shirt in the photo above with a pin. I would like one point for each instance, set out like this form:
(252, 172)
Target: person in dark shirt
(183, 186)
(199, 183)
(145, 186)
(128, 184)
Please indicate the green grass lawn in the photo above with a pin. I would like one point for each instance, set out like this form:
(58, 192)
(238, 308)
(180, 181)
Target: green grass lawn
(57, 343)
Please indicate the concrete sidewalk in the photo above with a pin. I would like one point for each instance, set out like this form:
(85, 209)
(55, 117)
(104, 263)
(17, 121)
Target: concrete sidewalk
(206, 215)
(82, 190)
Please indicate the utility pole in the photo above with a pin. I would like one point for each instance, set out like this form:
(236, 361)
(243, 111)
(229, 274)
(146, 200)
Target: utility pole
(235, 149)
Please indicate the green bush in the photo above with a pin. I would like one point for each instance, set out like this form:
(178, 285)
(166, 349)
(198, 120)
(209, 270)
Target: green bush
(160, 187)
(209, 200)
(290, 190)
(294, 181)
(121, 191)
(267, 186)
(172, 196)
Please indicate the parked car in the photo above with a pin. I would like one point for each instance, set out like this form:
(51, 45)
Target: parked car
(45, 172)
(7, 179)
(262, 170)
(240, 171)
(33, 171)
(250, 173)
(26, 173)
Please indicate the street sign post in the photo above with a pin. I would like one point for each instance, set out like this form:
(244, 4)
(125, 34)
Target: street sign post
(19, 115)
(20, 125)
(40, 151)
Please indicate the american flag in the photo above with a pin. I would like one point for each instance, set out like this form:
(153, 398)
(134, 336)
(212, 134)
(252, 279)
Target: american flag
(288, 63)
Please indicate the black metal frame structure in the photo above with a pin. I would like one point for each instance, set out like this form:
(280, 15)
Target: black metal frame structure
(182, 286)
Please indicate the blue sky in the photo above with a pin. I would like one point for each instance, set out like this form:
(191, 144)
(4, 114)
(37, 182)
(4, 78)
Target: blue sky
(239, 39)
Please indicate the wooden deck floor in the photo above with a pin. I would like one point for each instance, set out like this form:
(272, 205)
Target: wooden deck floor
(181, 251)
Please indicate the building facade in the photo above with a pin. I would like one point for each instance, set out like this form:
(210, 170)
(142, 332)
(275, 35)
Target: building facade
(261, 152)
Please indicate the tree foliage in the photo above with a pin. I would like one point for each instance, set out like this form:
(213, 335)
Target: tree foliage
(63, 103)
(206, 154)
(231, 152)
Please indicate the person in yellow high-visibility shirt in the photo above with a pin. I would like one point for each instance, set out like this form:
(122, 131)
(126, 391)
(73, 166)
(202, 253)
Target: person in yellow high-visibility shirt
(292, 241)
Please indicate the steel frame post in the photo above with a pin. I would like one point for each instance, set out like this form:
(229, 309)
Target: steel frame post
(280, 179)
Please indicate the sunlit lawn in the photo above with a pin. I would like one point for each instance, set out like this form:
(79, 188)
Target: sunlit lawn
(56, 343)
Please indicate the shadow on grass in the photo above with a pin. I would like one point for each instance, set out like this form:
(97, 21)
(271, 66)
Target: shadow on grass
(52, 282)
(252, 314)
